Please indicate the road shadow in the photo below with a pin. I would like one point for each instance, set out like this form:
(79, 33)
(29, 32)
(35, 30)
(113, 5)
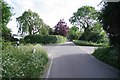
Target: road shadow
(80, 66)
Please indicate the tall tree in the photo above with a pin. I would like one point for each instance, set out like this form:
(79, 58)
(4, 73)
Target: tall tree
(29, 22)
(110, 19)
(74, 33)
(44, 30)
(61, 28)
(4, 19)
(51, 31)
(95, 34)
(84, 17)
(6, 12)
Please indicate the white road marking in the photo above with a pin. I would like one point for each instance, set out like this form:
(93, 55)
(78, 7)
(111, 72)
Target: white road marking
(83, 50)
(48, 72)
(51, 56)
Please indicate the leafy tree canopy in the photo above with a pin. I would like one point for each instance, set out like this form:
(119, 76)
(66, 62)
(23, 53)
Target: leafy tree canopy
(84, 17)
(44, 30)
(6, 12)
(110, 18)
(74, 33)
(4, 19)
(29, 22)
(61, 28)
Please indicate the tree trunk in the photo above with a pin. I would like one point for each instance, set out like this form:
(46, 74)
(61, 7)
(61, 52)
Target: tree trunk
(30, 31)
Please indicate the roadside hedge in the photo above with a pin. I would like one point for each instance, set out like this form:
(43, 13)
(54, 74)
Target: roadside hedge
(85, 43)
(45, 39)
(109, 55)
(25, 61)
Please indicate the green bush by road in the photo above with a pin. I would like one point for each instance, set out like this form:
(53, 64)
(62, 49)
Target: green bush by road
(25, 61)
(45, 39)
(85, 43)
(108, 55)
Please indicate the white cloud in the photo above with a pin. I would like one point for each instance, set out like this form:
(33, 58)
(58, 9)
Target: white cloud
(25, 4)
(51, 11)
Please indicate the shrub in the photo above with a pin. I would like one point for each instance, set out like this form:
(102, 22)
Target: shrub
(108, 55)
(23, 62)
(74, 33)
(95, 34)
(5, 44)
(44, 39)
(110, 18)
(85, 43)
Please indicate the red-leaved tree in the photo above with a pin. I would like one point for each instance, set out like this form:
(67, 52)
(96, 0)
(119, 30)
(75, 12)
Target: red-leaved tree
(61, 28)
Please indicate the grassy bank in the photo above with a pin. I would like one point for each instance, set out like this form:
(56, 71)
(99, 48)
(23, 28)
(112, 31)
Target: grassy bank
(25, 61)
(85, 43)
(108, 55)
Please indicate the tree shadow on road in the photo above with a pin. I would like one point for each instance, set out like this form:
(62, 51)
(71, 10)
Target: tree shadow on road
(80, 65)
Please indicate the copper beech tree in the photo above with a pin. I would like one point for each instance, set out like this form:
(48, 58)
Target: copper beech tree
(61, 28)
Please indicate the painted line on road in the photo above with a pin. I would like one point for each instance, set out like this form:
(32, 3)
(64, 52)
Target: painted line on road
(83, 50)
(87, 52)
(51, 62)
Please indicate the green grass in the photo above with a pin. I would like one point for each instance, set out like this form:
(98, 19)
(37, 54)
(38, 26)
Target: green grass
(23, 62)
(85, 43)
(108, 55)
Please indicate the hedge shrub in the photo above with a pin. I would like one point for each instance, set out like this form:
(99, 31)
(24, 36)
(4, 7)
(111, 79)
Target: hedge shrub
(23, 62)
(86, 43)
(45, 39)
(109, 55)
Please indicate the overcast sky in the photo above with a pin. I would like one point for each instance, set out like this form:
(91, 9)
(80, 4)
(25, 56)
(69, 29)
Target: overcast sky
(51, 11)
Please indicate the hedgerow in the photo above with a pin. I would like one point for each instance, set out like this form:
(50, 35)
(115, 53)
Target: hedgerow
(25, 61)
(45, 39)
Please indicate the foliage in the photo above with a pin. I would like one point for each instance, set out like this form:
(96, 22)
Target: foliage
(23, 62)
(6, 44)
(61, 28)
(29, 22)
(6, 15)
(85, 43)
(110, 18)
(6, 12)
(84, 17)
(44, 30)
(51, 31)
(74, 33)
(95, 34)
(45, 39)
(109, 55)
(87, 18)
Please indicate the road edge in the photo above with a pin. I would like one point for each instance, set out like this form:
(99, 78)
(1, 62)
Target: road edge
(112, 68)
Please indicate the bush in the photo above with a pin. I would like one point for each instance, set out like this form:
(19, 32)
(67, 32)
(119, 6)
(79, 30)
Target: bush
(95, 34)
(110, 18)
(23, 62)
(74, 33)
(108, 55)
(85, 43)
(44, 39)
(6, 45)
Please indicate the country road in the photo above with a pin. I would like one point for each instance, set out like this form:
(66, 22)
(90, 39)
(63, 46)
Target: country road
(71, 61)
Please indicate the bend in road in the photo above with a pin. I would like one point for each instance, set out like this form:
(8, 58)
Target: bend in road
(70, 61)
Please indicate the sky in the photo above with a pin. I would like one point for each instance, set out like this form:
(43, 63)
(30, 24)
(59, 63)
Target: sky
(51, 11)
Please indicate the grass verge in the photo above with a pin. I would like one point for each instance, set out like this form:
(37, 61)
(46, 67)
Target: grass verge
(108, 55)
(25, 61)
(85, 43)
